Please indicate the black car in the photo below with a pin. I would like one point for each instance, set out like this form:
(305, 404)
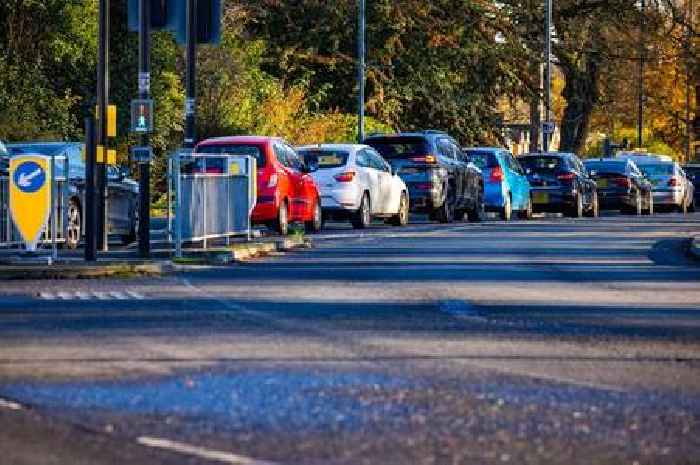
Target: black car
(692, 171)
(440, 180)
(621, 186)
(122, 202)
(559, 183)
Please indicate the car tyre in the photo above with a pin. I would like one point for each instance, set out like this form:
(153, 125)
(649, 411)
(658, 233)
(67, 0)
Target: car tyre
(527, 213)
(445, 213)
(74, 225)
(362, 217)
(401, 218)
(478, 213)
(316, 224)
(506, 212)
(281, 224)
(594, 211)
(577, 210)
(650, 210)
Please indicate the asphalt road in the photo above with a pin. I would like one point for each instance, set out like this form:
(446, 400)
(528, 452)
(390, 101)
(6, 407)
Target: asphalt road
(547, 342)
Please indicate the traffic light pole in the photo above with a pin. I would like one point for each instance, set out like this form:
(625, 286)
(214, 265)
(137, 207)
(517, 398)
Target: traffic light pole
(102, 99)
(361, 27)
(190, 75)
(144, 223)
(90, 204)
(548, 71)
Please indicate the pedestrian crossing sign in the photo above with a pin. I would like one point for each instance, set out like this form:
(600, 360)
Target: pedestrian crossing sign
(30, 196)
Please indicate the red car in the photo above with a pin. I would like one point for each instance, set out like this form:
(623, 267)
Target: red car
(286, 191)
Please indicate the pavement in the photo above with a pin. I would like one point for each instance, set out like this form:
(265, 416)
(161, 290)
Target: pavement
(555, 341)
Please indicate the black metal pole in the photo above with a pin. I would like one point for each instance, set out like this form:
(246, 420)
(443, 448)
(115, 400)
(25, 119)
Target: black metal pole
(90, 204)
(361, 27)
(190, 75)
(548, 72)
(144, 224)
(642, 58)
(102, 99)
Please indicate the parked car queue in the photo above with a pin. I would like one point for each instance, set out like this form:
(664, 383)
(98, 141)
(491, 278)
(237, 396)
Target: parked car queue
(389, 176)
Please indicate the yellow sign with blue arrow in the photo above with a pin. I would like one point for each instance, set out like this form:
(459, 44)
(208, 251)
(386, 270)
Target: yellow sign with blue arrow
(30, 195)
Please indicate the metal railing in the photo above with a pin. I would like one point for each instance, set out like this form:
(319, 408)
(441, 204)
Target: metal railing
(210, 196)
(54, 232)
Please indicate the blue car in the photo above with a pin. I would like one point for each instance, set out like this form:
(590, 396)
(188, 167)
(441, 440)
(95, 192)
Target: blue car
(506, 188)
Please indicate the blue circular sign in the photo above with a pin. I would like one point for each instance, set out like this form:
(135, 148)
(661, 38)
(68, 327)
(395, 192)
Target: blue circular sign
(29, 177)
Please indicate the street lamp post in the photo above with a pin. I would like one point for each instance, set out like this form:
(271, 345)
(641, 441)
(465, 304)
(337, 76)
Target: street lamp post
(548, 71)
(642, 58)
(361, 72)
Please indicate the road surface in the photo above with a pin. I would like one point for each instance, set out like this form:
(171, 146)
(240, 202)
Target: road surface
(554, 341)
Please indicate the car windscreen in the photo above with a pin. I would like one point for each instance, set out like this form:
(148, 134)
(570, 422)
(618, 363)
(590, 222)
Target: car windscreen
(399, 147)
(615, 167)
(543, 164)
(692, 171)
(482, 159)
(657, 169)
(254, 151)
(324, 159)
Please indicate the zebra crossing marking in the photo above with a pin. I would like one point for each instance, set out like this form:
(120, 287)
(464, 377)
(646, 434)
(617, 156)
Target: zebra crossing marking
(90, 295)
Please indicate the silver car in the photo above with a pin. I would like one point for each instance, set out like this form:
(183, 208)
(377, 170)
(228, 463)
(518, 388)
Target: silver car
(671, 186)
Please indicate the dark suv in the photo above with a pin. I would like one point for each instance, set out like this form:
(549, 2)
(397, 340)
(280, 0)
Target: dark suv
(440, 180)
(559, 183)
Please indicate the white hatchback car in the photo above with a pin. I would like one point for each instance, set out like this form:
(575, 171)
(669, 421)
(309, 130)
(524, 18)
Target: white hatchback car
(356, 183)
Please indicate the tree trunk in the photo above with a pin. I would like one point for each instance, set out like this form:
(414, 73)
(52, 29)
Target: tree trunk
(581, 94)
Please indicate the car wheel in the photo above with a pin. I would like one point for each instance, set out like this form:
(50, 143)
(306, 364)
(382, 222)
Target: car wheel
(650, 205)
(478, 213)
(594, 211)
(401, 218)
(527, 213)
(281, 224)
(507, 211)
(362, 218)
(74, 225)
(133, 232)
(316, 224)
(577, 210)
(445, 213)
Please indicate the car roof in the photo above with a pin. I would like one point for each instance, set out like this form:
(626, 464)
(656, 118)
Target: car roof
(550, 154)
(607, 160)
(427, 134)
(485, 149)
(346, 147)
(239, 140)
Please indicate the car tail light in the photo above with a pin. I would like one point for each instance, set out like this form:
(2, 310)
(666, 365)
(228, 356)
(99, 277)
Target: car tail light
(566, 176)
(272, 182)
(496, 174)
(673, 182)
(429, 159)
(622, 182)
(348, 176)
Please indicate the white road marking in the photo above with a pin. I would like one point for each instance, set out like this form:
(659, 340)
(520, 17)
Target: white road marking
(64, 295)
(82, 295)
(135, 295)
(46, 296)
(182, 448)
(101, 295)
(118, 295)
(10, 405)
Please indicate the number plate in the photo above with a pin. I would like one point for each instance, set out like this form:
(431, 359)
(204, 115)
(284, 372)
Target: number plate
(540, 197)
(602, 183)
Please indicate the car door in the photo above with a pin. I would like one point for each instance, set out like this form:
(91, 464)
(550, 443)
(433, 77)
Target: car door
(370, 178)
(384, 180)
(456, 176)
(286, 182)
(303, 185)
(520, 187)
